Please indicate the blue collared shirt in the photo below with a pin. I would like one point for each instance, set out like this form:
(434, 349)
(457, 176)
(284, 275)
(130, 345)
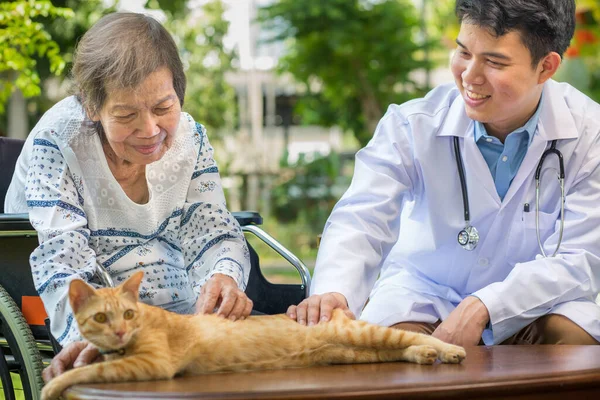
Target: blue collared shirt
(505, 159)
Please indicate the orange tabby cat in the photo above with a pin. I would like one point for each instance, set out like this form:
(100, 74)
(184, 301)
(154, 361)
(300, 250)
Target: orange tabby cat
(142, 342)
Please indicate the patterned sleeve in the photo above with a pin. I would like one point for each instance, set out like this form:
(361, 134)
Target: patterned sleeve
(212, 239)
(55, 205)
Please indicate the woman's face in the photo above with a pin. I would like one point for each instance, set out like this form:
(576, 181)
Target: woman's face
(140, 123)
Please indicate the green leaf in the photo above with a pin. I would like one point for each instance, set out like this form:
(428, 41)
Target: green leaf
(360, 53)
(22, 39)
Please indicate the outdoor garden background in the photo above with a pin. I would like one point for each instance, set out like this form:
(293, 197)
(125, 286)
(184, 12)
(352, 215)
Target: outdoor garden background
(289, 89)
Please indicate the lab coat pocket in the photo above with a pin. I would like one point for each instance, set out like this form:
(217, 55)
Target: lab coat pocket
(522, 241)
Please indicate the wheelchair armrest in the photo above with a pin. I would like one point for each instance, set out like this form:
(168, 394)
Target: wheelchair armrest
(282, 251)
(15, 222)
(248, 218)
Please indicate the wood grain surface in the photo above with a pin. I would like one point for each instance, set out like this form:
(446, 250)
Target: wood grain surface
(495, 372)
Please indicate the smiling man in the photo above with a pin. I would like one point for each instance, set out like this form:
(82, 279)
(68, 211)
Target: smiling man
(443, 231)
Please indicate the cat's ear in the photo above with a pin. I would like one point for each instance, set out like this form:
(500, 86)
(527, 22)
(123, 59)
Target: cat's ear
(132, 285)
(79, 293)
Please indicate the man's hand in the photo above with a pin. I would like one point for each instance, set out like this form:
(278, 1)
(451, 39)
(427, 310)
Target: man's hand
(76, 354)
(465, 325)
(319, 307)
(222, 291)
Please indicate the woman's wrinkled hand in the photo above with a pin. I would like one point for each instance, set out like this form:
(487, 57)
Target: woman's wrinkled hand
(221, 295)
(74, 355)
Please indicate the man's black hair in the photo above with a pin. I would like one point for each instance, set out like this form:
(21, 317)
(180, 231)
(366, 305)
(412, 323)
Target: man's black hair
(544, 25)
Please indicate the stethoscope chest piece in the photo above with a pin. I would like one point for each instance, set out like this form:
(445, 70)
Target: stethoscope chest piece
(468, 238)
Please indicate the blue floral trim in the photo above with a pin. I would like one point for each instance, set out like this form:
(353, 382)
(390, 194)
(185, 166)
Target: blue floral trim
(52, 279)
(234, 261)
(200, 129)
(189, 214)
(83, 233)
(205, 171)
(171, 245)
(116, 232)
(119, 255)
(44, 142)
(55, 203)
(64, 335)
(210, 244)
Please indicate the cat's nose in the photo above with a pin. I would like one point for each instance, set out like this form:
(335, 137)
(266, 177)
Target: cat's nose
(120, 334)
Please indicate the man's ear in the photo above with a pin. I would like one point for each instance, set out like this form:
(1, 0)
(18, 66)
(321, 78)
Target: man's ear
(79, 293)
(548, 66)
(131, 286)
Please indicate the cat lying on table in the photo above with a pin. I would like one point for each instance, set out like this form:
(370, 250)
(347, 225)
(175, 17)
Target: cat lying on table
(142, 342)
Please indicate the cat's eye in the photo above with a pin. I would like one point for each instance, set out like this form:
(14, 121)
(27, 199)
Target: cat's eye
(100, 317)
(128, 314)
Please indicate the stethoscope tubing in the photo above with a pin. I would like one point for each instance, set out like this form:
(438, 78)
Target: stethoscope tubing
(561, 178)
(463, 181)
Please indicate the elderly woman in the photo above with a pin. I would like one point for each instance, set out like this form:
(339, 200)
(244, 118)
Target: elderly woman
(119, 179)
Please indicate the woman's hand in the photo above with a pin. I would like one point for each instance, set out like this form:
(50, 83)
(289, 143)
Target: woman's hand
(222, 291)
(74, 355)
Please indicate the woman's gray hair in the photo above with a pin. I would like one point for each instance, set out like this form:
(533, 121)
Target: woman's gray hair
(120, 51)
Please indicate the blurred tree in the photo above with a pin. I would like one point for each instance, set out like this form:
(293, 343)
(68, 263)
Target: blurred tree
(209, 98)
(355, 57)
(66, 34)
(24, 40)
(581, 63)
(174, 8)
(443, 24)
(307, 190)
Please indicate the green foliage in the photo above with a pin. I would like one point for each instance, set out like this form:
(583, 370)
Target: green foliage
(442, 23)
(354, 57)
(307, 191)
(23, 39)
(581, 66)
(175, 8)
(66, 33)
(209, 99)
(298, 237)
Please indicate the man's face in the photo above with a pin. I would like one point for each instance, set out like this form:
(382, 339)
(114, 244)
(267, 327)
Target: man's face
(500, 87)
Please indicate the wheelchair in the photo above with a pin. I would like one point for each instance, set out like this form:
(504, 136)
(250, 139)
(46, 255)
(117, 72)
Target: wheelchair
(25, 339)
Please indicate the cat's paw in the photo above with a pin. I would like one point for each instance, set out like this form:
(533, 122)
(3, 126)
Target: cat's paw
(424, 354)
(51, 391)
(452, 354)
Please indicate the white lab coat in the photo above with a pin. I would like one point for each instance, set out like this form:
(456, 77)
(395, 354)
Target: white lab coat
(400, 218)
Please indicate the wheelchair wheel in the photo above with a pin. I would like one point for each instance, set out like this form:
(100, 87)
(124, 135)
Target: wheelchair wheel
(22, 345)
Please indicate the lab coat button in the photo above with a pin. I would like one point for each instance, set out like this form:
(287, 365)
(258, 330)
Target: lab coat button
(483, 262)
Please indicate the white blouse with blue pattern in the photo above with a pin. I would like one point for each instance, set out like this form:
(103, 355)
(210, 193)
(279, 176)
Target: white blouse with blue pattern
(180, 238)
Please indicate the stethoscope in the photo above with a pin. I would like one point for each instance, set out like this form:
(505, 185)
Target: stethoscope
(468, 237)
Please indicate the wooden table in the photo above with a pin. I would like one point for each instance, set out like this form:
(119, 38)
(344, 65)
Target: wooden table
(515, 372)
